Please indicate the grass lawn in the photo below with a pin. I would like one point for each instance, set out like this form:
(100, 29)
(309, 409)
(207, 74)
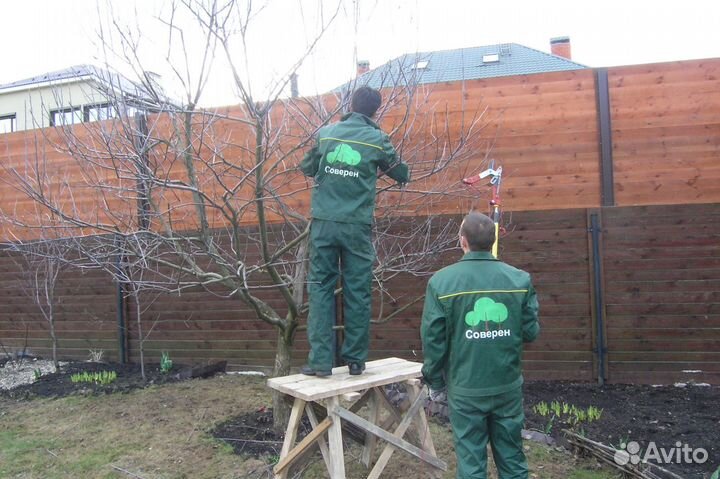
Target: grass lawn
(162, 432)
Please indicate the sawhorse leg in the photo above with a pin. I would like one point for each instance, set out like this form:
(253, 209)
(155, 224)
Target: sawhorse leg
(337, 458)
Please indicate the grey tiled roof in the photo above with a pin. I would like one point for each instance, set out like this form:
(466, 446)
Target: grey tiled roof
(100, 74)
(464, 64)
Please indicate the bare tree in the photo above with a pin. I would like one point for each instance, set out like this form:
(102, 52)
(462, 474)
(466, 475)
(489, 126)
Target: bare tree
(41, 263)
(215, 200)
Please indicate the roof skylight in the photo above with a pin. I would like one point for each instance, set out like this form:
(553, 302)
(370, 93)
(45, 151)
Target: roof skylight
(491, 58)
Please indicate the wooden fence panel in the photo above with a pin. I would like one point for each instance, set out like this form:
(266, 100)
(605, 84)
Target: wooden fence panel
(662, 272)
(666, 132)
(85, 313)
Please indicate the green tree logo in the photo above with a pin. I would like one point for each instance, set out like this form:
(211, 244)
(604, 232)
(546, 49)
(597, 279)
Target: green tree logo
(344, 154)
(486, 309)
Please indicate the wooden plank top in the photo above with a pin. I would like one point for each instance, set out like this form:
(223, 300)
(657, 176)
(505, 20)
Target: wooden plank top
(377, 373)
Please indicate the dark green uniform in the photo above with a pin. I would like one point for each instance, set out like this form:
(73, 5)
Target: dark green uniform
(344, 162)
(478, 313)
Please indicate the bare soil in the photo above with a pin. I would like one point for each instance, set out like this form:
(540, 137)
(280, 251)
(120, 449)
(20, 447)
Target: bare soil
(640, 413)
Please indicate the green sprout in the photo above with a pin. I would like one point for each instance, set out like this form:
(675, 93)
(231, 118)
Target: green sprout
(37, 373)
(541, 409)
(97, 377)
(568, 413)
(165, 363)
(549, 425)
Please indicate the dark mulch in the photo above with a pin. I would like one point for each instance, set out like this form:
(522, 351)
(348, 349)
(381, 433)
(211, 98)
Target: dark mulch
(60, 384)
(252, 433)
(644, 414)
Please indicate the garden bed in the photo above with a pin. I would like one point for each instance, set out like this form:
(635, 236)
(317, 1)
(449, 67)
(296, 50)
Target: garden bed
(664, 415)
(60, 384)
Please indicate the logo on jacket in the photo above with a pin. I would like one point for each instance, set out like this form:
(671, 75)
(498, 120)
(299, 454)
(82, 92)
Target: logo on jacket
(344, 153)
(487, 310)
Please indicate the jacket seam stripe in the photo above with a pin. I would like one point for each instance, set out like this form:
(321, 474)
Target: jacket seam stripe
(484, 291)
(351, 141)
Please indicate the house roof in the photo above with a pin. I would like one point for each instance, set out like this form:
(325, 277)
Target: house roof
(490, 61)
(108, 82)
(75, 72)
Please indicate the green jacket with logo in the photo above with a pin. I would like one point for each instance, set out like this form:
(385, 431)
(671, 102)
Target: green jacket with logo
(478, 313)
(344, 163)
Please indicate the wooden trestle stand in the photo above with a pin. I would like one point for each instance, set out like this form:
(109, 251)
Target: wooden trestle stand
(366, 388)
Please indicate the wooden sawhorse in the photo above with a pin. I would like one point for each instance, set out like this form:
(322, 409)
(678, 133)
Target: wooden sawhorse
(366, 388)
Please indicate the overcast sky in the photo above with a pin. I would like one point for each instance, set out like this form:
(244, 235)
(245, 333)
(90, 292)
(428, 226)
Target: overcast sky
(43, 35)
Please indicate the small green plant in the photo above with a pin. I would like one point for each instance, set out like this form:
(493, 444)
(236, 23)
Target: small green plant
(594, 413)
(568, 413)
(165, 363)
(541, 409)
(97, 377)
(549, 425)
(37, 373)
(556, 408)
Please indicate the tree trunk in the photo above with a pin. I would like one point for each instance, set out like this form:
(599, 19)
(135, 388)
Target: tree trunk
(141, 339)
(281, 408)
(53, 337)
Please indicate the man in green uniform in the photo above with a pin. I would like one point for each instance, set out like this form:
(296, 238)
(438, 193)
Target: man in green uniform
(344, 163)
(478, 313)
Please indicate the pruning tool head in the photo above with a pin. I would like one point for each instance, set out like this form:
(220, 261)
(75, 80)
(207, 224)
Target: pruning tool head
(494, 174)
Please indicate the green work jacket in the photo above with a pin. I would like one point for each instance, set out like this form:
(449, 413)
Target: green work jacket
(344, 163)
(478, 313)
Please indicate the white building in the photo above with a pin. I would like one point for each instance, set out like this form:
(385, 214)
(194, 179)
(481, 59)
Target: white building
(77, 94)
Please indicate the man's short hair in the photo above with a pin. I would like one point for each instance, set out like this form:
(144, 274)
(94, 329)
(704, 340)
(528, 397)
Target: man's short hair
(479, 231)
(366, 100)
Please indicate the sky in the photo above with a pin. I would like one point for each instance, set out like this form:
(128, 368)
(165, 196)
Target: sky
(45, 35)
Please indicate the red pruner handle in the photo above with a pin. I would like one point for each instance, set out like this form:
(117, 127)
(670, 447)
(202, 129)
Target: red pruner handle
(471, 180)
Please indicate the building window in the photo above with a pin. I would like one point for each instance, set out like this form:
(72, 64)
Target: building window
(66, 116)
(103, 111)
(7, 123)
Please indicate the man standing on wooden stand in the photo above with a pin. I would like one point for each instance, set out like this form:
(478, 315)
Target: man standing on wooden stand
(344, 163)
(477, 315)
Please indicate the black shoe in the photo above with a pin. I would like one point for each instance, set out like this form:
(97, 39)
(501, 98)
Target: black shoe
(356, 369)
(308, 371)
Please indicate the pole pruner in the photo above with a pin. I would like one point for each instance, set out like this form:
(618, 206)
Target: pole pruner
(495, 175)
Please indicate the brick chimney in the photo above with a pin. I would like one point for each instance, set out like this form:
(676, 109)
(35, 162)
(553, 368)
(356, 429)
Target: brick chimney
(363, 66)
(560, 46)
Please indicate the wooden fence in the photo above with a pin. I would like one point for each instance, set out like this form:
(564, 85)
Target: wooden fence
(636, 301)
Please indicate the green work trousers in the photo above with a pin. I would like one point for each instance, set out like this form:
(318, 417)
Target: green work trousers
(332, 245)
(499, 419)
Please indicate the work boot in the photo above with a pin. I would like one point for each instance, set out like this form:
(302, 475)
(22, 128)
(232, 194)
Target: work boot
(308, 371)
(356, 369)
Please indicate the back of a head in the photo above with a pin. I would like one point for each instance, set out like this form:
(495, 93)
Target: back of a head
(479, 231)
(366, 100)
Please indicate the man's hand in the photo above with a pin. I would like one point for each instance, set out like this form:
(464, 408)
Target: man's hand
(438, 395)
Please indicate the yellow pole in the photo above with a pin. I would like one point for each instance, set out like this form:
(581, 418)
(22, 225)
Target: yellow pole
(497, 232)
